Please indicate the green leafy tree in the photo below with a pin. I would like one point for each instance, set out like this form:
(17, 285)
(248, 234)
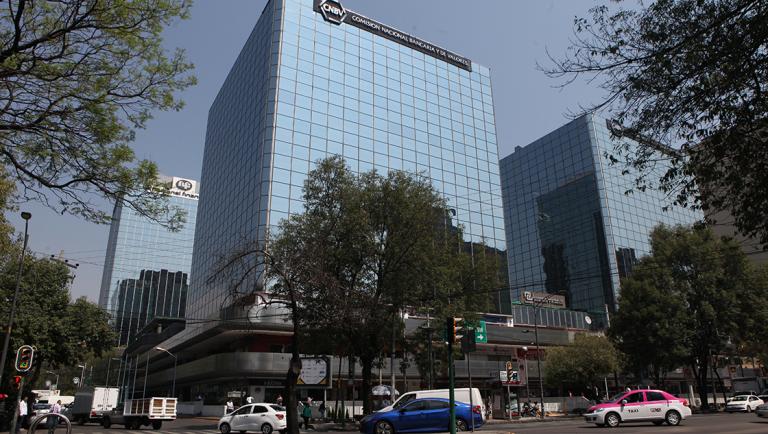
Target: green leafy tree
(702, 294)
(365, 248)
(687, 78)
(64, 333)
(78, 78)
(649, 317)
(581, 365)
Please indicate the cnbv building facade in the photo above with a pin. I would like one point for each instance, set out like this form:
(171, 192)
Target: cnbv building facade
(315, 79)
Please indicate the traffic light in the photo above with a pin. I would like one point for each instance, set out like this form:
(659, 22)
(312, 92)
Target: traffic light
(24, 357)
(16, 383)
(452, 329)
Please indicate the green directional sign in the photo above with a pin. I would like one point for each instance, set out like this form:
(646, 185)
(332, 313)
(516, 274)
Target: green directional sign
(481, 334)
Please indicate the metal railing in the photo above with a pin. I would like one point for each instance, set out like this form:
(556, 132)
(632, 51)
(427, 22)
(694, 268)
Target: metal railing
(39, 418)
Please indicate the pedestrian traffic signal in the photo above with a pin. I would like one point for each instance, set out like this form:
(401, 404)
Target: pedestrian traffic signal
(16, 382)
(24, 358)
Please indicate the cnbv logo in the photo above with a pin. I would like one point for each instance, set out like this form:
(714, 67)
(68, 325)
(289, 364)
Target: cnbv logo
(183, 185)
(333, 11)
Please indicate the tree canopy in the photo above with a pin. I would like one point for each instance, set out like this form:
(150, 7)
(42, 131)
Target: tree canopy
(78, 78)
(582, 365)
(691, 298)
(366, 247)
(686, 78)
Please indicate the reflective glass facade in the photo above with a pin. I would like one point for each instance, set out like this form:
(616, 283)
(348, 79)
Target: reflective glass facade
(147, 266)
(570, 224)
(303, 89)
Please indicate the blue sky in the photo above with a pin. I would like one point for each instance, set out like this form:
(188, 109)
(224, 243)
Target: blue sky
(508, 36)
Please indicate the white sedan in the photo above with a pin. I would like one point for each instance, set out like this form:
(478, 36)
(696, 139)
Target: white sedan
(259, 417)
(743, 403)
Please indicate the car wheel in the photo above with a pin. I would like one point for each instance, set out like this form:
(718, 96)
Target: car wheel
(612, 420)
(672, 418)
(749, 409)
(266, 429)
(136, 424)
(157, 424)
(105, 422)
(461, 425)
(225, 428)
(383, 427)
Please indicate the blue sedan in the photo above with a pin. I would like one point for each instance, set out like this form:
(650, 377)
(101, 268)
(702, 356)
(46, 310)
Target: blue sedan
(421, 415)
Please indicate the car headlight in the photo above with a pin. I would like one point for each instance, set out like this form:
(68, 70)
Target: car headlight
(599, 410)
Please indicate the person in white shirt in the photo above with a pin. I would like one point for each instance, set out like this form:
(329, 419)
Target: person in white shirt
(23, 412)
(230, 406)
(249, 400)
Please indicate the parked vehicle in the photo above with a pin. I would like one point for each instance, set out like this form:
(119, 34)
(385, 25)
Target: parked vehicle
(261, 417)
(460, 395)
(90, 403)
(656, 406)
(762, 410)
(743, 403)
(141, 412)
(421, 415)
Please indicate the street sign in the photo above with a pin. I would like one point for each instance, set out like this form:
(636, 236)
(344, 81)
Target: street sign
(514, 381)
(481, 334)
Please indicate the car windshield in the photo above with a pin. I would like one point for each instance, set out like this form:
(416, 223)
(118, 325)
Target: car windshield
(617, 397)
(277, 407)
(41, 406)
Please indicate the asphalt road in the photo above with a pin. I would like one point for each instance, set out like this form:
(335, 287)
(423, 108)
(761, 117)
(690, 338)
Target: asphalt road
(737, 423)
(720, 423)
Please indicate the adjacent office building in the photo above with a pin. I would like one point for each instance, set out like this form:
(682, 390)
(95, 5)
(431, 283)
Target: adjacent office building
(313, 80)
(147, 267)
(572, 223)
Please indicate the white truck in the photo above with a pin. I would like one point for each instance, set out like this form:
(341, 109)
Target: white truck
(136, 413)
(90, 403)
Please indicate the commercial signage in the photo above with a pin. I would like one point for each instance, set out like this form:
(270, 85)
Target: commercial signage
(543, 299)
(315, 371)
(182, 187)
(333, 12)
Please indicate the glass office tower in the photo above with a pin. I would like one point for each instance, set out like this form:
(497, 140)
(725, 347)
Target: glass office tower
(570, 223)
(147, 266)
(314, 80)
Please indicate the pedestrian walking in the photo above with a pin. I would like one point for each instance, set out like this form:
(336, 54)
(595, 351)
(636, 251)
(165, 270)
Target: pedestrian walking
(249, 399)
(53, 417)
(23, 412)
(306, 413)
(322, 410)
(279, 399)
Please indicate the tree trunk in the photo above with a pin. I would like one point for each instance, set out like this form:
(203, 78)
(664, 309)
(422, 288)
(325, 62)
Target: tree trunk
(367, 363)
(701, 380)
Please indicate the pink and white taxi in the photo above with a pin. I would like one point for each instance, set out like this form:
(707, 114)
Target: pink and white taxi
(655, 406)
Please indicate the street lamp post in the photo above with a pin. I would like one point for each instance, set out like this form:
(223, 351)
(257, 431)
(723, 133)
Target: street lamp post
(82, 375)
(26, 216)
(173, 387)
(536, 306)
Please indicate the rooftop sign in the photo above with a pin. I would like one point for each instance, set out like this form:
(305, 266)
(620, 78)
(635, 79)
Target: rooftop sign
(333, 12)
